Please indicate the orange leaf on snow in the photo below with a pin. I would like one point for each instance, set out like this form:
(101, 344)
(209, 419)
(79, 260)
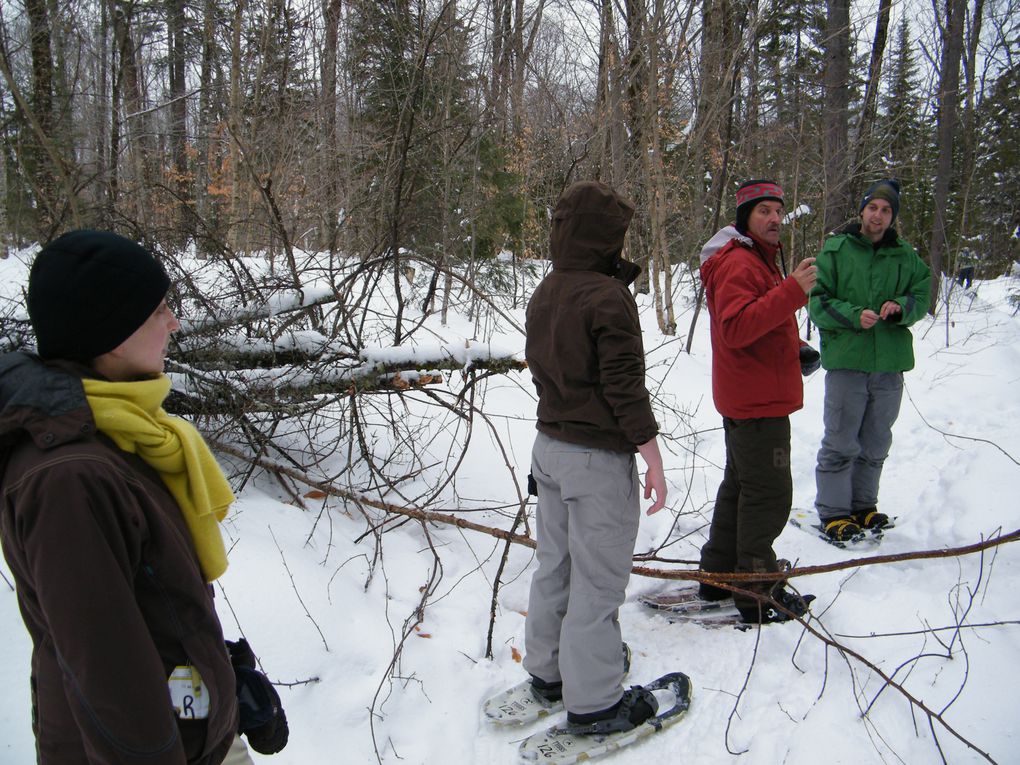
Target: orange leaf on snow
(515, 654)
(315, 494)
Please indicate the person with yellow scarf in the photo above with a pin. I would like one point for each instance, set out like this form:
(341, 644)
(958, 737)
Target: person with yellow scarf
(109, 521)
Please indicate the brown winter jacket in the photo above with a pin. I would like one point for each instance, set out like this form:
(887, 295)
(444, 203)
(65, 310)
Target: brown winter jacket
(108, 584)
(583, 342)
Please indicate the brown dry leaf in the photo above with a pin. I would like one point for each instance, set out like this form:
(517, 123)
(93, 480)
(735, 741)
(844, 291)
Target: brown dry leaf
(315, 494)
(515, 654)
(399, 382)
(425, 634)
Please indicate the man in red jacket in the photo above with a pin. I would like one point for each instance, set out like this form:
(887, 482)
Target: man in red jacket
(756, 384)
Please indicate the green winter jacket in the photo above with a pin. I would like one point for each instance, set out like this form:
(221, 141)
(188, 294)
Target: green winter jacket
(854, 274)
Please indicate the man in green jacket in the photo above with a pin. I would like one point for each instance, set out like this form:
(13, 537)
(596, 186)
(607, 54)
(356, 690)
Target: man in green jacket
(871, 287)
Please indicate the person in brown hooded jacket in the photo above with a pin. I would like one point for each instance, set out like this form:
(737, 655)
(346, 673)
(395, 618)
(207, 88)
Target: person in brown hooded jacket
(109, 512)
(585, 354)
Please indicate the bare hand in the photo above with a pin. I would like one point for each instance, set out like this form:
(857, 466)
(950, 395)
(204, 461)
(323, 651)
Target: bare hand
(868, 318)
(655, 483)
(806, 275)
(890, 308)
(655, 478)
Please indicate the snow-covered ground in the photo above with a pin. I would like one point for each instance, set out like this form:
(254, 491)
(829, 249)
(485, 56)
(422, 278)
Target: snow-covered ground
(299, 586)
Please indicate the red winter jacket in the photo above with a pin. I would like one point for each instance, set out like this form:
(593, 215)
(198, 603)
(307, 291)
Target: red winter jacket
(755, 345)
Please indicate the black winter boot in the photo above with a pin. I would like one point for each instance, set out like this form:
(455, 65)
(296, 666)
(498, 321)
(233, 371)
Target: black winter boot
(870, 518)
(766, 613)
(634, 707)
(844, 529)
(711, 592)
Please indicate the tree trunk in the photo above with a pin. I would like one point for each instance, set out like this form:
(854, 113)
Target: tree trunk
(207, 166)
(634, 180)
(104, 119)
(949, 95)
(44, 153)
(607, 99)
(331, 165)
(182, 218)
(720, 65)
(237, 209)
(836, 107)
(141, 145)
(42, 106)
(866, 122)
(968, 157)
(661, 272)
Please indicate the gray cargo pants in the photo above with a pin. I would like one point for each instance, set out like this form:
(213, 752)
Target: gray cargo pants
(587, 524)
(860, 409)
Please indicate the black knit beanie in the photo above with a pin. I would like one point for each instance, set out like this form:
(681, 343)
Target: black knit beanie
(89, 291)
(751, 193)
(889, 190)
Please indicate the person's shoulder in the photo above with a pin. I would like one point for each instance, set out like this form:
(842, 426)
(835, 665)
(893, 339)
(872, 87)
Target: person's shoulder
(736, 256)
(894, 244)
(67, 467)
(731, 254)
(610, 291)
(848, 236)
(904, 246)
(584, 291)
(719, 240)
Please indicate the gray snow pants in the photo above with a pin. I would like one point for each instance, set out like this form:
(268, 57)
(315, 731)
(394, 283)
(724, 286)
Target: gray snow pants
(587, 524)
(860, 409)
(238, 754)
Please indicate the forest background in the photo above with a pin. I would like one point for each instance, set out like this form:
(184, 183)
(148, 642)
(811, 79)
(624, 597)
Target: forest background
(340, 188)
(435, 134)
(390, 158)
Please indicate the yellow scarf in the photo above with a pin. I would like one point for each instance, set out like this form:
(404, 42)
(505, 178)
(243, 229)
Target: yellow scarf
(131, 413)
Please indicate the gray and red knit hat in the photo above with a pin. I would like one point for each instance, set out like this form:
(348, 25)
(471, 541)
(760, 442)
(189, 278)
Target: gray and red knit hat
(751, 193)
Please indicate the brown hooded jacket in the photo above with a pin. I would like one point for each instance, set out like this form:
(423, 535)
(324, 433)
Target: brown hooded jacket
(108, 584)
(583, 343)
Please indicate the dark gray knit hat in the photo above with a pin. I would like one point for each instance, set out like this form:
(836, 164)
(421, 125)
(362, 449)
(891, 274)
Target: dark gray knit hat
(887, 189)
(89, 291)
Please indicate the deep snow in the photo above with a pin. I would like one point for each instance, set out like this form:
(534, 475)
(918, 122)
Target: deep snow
(298, 585)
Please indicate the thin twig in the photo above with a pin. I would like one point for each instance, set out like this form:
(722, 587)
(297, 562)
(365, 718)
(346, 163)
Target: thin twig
(293, 584)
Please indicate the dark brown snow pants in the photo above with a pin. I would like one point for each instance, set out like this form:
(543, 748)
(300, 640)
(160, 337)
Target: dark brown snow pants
(753, 502)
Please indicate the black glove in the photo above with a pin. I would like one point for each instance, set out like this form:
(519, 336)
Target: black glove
(262, 719)
(810, 360)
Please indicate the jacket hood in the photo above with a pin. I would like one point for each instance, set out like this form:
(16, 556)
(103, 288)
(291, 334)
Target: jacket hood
(589, 225)
(711, 263)
(721, 238)
(45, 401)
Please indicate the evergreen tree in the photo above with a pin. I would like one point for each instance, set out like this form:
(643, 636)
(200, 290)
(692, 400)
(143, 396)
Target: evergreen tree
(904, 139)
(419, 127)
(998, 170)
